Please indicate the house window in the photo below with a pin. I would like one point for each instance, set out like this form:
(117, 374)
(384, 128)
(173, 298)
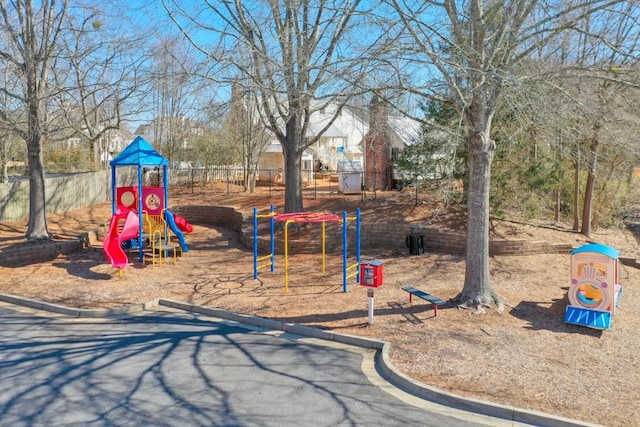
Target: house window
(395, 153)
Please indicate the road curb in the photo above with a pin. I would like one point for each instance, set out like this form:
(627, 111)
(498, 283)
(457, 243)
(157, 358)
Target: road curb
(76, 312)
(495, 410)
(266, 323)
(383, 364)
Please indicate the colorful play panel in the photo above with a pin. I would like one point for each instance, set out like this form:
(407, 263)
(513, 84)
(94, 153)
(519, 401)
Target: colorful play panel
(594, 294)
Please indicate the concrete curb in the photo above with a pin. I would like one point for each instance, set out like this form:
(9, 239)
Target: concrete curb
(495, 410)
(383, 364)
(76, 312)
(265, 323)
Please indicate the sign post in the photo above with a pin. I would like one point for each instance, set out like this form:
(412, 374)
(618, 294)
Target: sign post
(370, 295)
(371, 278)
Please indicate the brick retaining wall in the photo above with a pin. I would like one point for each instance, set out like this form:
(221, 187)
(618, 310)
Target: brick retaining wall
(40, 251)
(217, 215)
(387, 236)
(392, 236)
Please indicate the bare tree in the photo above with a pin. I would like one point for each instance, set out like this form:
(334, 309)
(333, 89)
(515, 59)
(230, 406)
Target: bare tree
(98, 78)
(593, 107)
(177, 93)
(67, 78)
(33, 30)
(471, 48)
(10, 153)
(246, 129)
(302, 55)
(610, 53)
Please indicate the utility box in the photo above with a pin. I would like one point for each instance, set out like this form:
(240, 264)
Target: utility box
(349, 177)
(371, 274)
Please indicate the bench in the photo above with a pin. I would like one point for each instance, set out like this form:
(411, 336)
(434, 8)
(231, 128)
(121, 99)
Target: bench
(435, 301)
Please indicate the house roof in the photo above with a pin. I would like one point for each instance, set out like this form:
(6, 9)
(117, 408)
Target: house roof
(334, 131)
(408, 130)
(141, 129)
(139, 153)
(274, 147)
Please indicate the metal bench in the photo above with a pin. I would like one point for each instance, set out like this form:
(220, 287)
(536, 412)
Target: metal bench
(435, 301)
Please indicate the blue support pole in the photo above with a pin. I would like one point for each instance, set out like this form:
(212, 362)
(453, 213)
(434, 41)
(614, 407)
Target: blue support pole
(114, 183)
(358, 244)
(140, 216)
(344, 252)
(255, 242)
(273, 243)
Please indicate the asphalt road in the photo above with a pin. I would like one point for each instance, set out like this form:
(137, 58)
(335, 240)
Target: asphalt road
(176, 369)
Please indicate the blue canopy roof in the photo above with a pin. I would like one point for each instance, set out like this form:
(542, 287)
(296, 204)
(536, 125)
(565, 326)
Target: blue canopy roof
(597, 248)
(139, 153)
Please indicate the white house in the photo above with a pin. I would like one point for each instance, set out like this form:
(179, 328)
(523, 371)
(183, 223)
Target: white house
(176, 131)
(388, 136)
(271, 165)
(340, 141)
(404, 131)
(112, 142)
(350, 140)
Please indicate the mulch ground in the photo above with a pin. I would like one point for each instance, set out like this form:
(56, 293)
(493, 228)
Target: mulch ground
(527, 357)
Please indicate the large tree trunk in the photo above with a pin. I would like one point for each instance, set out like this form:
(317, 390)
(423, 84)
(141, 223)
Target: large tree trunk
(37, 228)
(292, 149)
(589, 187)
(292, 179)
(558, 191)
(576, 192)
(478, 291)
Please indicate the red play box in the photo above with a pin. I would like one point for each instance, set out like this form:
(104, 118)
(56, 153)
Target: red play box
(371, 273)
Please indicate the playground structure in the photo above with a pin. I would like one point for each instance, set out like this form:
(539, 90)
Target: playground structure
(140, 214)
(594, 293)
(348, 270)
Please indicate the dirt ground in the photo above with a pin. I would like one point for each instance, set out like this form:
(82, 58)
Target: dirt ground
(526, 357)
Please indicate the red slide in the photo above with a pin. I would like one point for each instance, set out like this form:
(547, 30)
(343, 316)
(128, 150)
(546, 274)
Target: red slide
(124, 225)
(182, 224)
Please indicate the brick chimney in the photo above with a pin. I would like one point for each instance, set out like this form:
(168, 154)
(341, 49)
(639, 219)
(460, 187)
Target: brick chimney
(377, 147)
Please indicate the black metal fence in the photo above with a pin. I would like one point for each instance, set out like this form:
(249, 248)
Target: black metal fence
(232, 180)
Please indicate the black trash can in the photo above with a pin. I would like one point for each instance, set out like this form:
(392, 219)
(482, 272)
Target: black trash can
(415, 240)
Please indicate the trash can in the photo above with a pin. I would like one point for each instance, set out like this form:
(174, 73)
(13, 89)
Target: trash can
(415, 240)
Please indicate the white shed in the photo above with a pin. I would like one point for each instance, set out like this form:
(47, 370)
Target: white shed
(350, 177)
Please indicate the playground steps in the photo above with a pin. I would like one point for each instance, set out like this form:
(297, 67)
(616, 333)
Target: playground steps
(160, 253)
(159, 249)
(173, 240)
(587, 317)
